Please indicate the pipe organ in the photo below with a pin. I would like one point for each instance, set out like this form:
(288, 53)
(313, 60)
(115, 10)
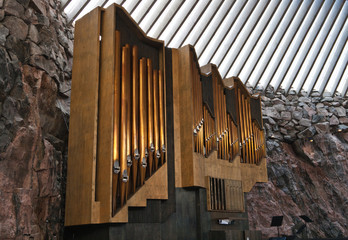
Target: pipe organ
(147, 121)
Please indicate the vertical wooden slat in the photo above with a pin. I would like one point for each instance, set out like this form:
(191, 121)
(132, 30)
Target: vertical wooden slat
(80, 193)
(108, 116)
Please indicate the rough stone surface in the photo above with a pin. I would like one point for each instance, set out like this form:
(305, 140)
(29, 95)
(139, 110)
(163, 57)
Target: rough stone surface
(285, 116)
(322, 127)
(18, 28)
(12, 7)
(307, 166)
(33, 126)
(305, 122)
(334, 120)
(312, 182)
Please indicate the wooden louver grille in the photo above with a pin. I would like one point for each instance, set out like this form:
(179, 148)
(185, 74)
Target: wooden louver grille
(139, 125)
(224, 195)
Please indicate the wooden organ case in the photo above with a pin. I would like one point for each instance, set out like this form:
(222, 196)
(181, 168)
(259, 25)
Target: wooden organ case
(152, 135)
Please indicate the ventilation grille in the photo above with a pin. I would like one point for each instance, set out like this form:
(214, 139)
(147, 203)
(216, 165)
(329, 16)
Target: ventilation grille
(224, 195)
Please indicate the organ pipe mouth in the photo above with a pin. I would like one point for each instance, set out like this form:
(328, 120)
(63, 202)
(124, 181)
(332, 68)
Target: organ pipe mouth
(146, 152)
(158, 154)
(129, 161)
(125, 176)
(163, 148)
(136, 154)
(143, 162)
(152, 147)
(116, 167)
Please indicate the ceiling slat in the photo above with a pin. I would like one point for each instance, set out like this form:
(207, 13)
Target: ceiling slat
(306, 47)
(298, 45)
(263, 42)
(297, 41)
(326, 47)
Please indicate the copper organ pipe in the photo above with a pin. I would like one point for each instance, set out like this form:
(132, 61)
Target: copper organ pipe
(143, 118)
(229, 123)
(251, 134)
(225, 126)
(245, 115)
(124, 108)
(150, 114)
(245, 129)
(241, 126)
(116, 121)
(205, 130)
(161, 112)
(156, 119)
(135, 115)
(129, 112)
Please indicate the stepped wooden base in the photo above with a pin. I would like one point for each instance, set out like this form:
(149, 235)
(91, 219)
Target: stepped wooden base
(155, 187)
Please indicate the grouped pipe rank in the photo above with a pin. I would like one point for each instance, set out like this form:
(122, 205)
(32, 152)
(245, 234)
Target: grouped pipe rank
(225, 135)
(139, 122)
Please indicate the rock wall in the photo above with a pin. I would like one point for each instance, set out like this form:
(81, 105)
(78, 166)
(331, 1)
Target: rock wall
(307, 148)
(35, 71)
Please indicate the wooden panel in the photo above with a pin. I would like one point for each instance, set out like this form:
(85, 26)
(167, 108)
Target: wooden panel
(80, 194)
(105, 123)
(183, 119)
(176, 117)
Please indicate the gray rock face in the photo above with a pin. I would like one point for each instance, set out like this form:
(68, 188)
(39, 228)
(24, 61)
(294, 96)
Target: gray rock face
(285, 116)
(3, 34)
(334, 120)
(308, 132)
(341, 111)
(322, 128)
(12, 7)
(33, 133)
(304, 182)
(18, 28)
(297, 115)
(305, 122)
(304, 99)
(271, 112)
(306, 143)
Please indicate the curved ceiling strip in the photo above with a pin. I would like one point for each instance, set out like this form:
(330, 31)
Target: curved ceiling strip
(295, 45)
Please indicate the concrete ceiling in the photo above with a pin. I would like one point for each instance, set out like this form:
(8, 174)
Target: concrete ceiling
(296, 45)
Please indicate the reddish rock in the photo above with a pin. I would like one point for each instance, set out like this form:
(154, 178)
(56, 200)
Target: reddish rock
(18, 28)
(12, 7)
(343, 120)
(39, 6)
(311, 183)
(334, 120)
